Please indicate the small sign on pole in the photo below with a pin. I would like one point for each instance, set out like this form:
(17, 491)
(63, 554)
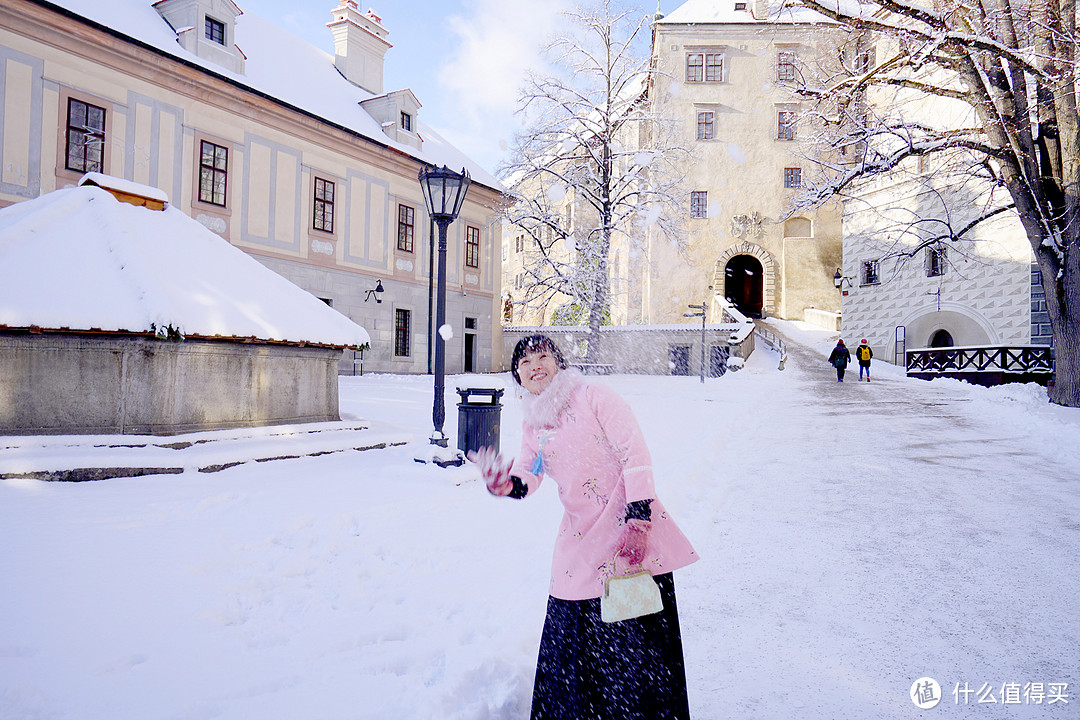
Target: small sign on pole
(701, 314)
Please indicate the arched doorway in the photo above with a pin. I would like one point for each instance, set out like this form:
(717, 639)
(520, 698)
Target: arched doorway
(941, 339)
(744, 283)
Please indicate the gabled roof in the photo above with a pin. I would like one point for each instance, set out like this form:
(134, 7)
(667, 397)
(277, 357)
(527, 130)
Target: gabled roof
(80, 260)
(278, 65)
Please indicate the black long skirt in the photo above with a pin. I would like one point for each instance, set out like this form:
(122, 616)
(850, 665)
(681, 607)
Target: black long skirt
(592, 670)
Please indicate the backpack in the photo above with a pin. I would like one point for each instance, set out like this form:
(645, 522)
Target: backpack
(863, 352)
(840, 361)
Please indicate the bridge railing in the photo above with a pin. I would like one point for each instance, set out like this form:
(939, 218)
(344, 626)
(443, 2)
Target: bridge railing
(1019, 359)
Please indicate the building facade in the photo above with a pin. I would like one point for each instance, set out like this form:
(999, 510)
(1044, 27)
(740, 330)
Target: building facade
(296, 156)
(933, 255)
(727, 74)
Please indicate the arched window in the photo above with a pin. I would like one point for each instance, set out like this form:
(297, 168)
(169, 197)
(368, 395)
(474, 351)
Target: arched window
(798, 227)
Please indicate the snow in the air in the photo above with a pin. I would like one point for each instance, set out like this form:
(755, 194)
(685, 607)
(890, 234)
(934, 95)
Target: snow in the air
(854, 538)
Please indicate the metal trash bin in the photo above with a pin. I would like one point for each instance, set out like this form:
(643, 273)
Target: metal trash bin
(478, 422)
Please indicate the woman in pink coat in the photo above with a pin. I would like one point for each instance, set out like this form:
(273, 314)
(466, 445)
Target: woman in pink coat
(584, 437)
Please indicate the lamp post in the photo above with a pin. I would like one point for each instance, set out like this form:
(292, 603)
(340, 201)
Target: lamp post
(444, 194)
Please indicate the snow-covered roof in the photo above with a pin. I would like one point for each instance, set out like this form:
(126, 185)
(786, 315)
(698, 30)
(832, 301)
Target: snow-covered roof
(78, 259)
(721, 12)
(281, 66)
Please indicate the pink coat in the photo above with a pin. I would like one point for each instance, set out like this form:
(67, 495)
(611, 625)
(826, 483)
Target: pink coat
(592, 447)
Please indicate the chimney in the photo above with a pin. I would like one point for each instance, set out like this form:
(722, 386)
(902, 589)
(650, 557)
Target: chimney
(359, 45)
(760, 9)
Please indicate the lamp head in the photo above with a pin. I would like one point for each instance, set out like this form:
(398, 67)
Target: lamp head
(444, 191)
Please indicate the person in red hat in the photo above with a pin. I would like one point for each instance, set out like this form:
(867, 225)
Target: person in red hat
(863, 353)
(840, 358)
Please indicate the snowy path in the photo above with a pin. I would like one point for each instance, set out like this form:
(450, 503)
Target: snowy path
(898, 534)
(854, 537)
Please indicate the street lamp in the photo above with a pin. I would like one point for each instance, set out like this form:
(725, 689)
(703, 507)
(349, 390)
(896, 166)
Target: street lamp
(444, 194)
(839, 279)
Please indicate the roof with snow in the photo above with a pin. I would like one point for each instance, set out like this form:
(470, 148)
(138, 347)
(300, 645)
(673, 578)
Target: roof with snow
(80, 260)
(724, 12)
(280, 66)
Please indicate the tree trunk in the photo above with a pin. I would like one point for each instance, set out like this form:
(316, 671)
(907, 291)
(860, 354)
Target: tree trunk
(1062, 291)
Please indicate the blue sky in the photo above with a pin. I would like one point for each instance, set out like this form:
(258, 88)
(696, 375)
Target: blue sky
(463, 58)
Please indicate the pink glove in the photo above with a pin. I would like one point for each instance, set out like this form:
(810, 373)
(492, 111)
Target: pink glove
(634, 540)
(495, 470)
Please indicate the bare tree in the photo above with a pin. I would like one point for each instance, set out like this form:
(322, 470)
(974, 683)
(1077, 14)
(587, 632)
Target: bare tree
(1011, 64)
(594, 167)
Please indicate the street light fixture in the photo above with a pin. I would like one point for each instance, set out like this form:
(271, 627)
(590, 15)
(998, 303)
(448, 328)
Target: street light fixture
(376, 293)
(839, 279)
(444, 193)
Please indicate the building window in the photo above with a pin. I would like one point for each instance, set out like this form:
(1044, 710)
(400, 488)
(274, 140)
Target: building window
(401, 333)
(324, 205)
(936, 261)
(405, 228)
(785, 66)
(213, 173)
(406, 122)
(792, 177)
(740, 6)
(785, 125)
(866, 60)
(699, 204)
(472, 246)
(705, 125)
(215, 31)
(704, 67)
(519, 243)
(870, 274)
(85, 136)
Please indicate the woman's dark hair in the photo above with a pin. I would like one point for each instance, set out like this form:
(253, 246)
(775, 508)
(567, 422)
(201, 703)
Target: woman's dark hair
(535, 343)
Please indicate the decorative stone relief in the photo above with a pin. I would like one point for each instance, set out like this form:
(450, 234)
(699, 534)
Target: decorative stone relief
(744, 226)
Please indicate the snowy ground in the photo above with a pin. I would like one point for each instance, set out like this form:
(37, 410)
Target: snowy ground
(854, 538)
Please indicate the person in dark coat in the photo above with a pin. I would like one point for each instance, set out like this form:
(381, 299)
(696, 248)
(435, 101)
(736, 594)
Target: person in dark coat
(863, 353)
(840, 358)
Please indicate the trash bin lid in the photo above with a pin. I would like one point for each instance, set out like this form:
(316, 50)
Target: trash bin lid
(493, 394)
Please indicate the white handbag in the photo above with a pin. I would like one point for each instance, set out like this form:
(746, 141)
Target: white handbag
(630, 596)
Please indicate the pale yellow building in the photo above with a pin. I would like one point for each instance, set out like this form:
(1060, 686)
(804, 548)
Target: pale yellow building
(299, 157)
(726, 74)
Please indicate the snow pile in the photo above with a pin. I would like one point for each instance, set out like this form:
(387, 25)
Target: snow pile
(78, 259)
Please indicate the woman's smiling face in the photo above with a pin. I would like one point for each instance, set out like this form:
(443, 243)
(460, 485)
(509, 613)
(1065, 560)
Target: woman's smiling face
(536, 370)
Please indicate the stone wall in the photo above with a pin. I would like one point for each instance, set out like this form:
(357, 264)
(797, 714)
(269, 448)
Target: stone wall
(85, 384)
(643, 350)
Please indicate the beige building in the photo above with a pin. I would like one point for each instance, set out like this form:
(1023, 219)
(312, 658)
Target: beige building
(726, 73)
(299, 157)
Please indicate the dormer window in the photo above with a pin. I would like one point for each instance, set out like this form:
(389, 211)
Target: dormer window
(206, 28)
(406, 122)
(740, 6)
(215, 31)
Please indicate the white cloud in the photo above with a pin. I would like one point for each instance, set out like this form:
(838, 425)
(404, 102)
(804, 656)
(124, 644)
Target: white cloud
(496, 43)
